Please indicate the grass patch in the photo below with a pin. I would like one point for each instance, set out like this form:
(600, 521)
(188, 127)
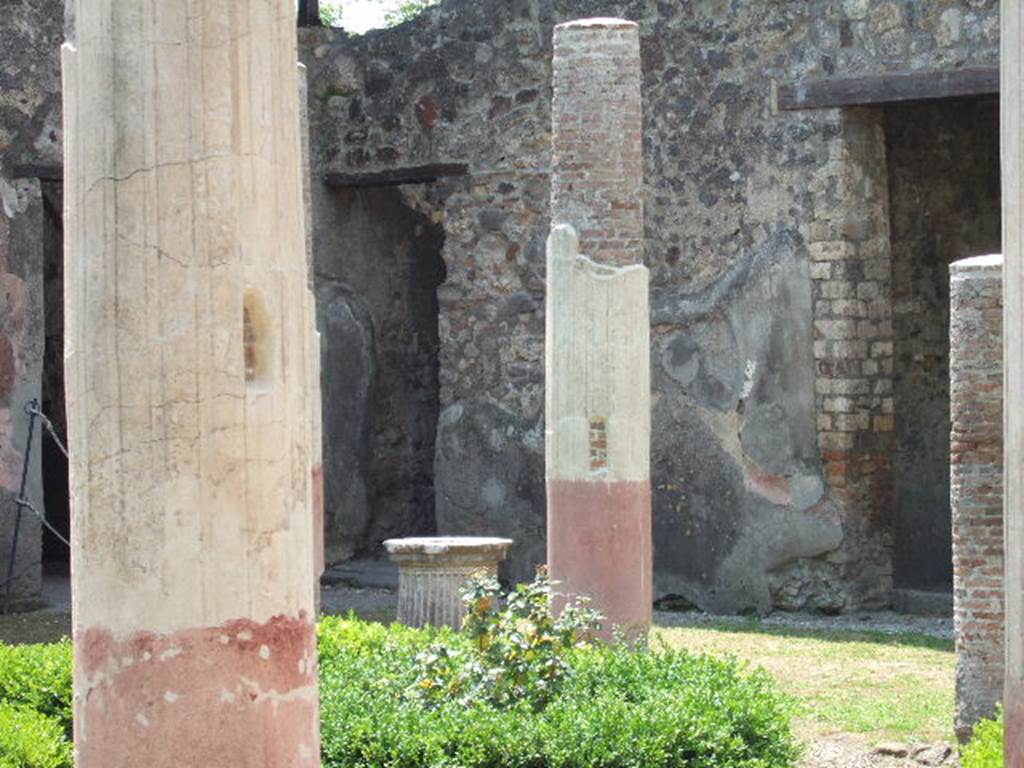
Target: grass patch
(881, 686)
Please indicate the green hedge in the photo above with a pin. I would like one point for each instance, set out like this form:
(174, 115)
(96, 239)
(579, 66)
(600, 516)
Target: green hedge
(38, 677)
(35, 706)
(29, 739)
(985, 749)
(618, 709)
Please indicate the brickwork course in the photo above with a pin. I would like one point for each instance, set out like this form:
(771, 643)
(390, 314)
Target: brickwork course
(596, 148)
(976, 485)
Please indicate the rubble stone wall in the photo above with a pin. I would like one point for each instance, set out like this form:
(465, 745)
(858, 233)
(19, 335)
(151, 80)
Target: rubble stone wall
(767, 238)
(765, 235)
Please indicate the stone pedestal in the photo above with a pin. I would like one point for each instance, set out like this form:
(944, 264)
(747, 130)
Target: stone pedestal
(188, 388)
(597, 386)
(433, 571)
(976, 484)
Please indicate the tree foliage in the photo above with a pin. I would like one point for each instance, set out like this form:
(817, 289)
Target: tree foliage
(408, 10)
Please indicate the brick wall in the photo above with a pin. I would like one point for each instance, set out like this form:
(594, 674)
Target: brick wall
(596, 148)
(976, 484)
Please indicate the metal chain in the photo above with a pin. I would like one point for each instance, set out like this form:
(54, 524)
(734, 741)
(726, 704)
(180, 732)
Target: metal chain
(32, 410)
(21, 501)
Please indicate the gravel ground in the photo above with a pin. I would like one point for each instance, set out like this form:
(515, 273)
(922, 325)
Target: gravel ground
(369, 603)
(887, 622)
(846, 751)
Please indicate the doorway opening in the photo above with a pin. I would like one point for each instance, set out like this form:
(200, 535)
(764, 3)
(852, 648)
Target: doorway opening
(377, 277)
(56, 488)
(943, 165)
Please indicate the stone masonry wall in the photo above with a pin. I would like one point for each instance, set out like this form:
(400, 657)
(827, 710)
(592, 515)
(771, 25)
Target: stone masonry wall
(747, 212)
(851, 282)
(753, 504)
(376, 290)
(976, 484)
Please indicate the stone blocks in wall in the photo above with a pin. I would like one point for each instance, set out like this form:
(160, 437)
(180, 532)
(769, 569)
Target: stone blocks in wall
(853, 351)
(976, 485)
(486, 484)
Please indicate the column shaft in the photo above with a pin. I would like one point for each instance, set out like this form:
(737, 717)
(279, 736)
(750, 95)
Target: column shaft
(188, 387)
(597, 385)
(1012, 139)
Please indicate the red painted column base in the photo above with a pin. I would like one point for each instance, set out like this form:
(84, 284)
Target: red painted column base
(1014, 719)
(241, 694)
(599, 545)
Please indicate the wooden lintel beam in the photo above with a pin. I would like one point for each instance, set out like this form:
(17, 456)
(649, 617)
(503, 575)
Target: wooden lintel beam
(888, 88)
(41, 172)
(420, 174)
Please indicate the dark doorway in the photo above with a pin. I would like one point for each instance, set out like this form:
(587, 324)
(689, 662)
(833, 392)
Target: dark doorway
(55, 466)
(377, 276)
(943, 159)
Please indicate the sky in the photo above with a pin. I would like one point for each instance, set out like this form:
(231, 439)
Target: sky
(361, 15)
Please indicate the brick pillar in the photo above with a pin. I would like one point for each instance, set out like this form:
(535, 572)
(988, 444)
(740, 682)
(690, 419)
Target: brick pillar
(188, 388)
(596, 143)
(976, 484)
(597, 385)
(1011, 104)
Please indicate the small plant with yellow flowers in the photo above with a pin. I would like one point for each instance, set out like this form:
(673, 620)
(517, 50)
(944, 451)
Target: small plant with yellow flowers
(519, 652)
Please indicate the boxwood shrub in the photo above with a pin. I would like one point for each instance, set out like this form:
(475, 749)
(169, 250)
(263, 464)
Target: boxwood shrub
(619, 708)
(38, 677)
(30, 739)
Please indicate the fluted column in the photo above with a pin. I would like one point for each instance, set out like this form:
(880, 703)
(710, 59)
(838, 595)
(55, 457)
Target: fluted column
(1012, 139)
(188, 387)
(434, 570)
